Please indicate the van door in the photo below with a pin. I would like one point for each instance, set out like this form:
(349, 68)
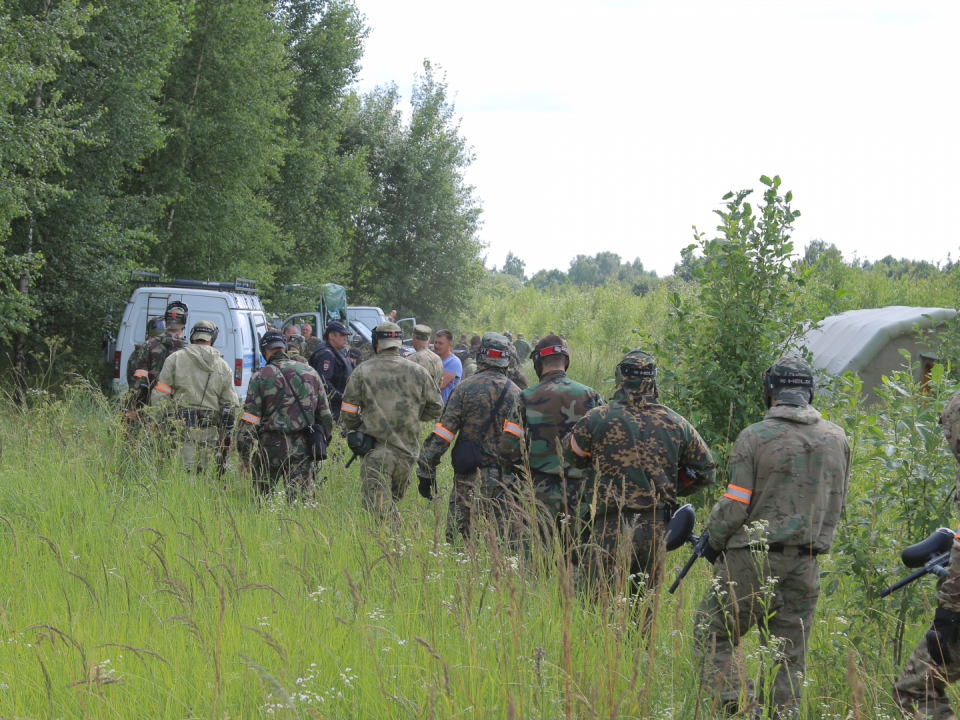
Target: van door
(314, 318)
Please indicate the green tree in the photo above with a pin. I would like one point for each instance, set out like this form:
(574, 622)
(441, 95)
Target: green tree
(548, 278)
(416, 244)
(225, 105)
(748, 313)
(515, 266)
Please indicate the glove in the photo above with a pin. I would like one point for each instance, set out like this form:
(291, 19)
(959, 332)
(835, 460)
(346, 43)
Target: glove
(710, 554)
(943, 632)
(425, 487)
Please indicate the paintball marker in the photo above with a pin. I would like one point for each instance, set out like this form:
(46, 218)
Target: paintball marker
(931, 556)
(680, 532)
(360, 443)
(227, 422)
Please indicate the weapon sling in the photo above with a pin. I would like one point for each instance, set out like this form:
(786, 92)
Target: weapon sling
(314, 434)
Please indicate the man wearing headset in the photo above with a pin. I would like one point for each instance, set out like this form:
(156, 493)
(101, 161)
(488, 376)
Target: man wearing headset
(645, 455)
(789, 475)
(157, 349)
(529, 447)
(194, 386)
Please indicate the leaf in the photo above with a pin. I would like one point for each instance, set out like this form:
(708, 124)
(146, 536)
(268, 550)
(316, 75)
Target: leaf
(727, 196)
(789, 196)
(936, 374)
(766, 180)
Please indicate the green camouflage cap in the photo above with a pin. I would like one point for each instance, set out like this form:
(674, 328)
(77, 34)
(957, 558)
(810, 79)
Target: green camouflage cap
(203, 330)
(155, 326)
(387, 335)
(637, 372)
(494, 350)
(422, 332)
(790, 379)
(295, 341)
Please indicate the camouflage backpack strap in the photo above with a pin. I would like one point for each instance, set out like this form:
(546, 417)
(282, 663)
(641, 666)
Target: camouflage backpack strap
(313, 433)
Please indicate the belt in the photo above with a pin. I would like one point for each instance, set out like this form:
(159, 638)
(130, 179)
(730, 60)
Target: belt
(805, 550)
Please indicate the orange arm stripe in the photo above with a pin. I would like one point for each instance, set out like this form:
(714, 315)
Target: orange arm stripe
(576, 448)
(252, 419)
(513, 429)
(164, 388)
(738, 493)
(443, 432)
(141, 373)
(350, 408)
(957, 536)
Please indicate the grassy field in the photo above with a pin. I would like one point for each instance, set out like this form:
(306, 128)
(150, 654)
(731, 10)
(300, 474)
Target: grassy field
(130, 589)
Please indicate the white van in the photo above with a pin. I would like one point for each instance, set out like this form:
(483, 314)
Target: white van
(233, 307)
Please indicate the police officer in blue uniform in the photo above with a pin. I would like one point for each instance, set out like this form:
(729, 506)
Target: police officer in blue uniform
(332, 366)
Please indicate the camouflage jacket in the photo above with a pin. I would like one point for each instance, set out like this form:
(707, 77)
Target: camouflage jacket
(155, 352)
(297, 357)
(311, 346)
(638, 447)
(132, 363)
(791, 471)
(948, 595)
(523, 350)
(196, 378)
(541, 416)
(466, 413)
(386, 397)
(516, 374)
(270, 406)
(429, 361)
(469, 368)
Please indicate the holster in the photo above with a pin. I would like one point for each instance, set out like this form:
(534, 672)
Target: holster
(360, 443)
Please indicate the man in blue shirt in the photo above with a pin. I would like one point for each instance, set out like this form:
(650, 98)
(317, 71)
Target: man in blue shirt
(452, 367)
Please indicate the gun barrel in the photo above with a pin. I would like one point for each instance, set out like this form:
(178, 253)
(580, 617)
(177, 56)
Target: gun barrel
(683, 573)
(350, 461)
(937, 563)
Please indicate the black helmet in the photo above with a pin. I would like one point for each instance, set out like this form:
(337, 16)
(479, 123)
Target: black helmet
(550, 345)
(175, 316)
(272, 339)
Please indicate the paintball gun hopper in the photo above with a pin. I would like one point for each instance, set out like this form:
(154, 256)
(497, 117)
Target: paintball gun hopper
(919, 554)
(680, 529)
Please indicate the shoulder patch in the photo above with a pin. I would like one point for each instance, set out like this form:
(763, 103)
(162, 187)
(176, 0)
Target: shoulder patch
(326, 365)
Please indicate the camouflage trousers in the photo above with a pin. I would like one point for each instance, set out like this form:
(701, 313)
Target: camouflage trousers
(475, 498)
(921, 686)
(282, 457)
(625, 553)
(198, 446)
(384, 477)
(545, 505)
(742, 598)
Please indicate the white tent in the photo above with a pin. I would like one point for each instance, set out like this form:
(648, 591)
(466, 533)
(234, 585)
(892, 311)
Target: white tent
(868, 342)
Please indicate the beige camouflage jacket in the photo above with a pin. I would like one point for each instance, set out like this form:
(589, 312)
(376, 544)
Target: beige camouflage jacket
(790, 470)
(387, 397)
(197, 378)
(429, 361)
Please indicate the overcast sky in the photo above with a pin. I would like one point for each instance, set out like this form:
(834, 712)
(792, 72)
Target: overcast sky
(618, 124)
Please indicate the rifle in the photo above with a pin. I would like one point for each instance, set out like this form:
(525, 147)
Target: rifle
(931, 556)
(227, 422)
(679, 533)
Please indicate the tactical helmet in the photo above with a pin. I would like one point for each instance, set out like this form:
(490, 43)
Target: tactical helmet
(550, 345)
(296, 341)
(387, 335)
(272, 339)
(204, 330)
(175, 316)
(461, 351)
(155, 326)
(637, 372)
(494, 350)
(789, 381)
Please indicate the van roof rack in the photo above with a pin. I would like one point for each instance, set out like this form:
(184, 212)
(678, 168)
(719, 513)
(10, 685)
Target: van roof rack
(241, 285)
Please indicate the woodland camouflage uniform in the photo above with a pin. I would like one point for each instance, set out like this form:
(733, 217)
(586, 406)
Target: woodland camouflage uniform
(387, 397)
(193, 386)
(469, 364)
(155, 328)
(515, 370)
(922, 685)
(523, 348)
(468, 411)
(155, 353)
(788, 474)
(272, 426)
(637, 447)
(540, 418)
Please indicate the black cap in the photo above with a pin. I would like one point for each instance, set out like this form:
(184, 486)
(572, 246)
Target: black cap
(335, 326)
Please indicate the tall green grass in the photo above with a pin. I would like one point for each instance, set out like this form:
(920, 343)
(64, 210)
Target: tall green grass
(132, 590)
